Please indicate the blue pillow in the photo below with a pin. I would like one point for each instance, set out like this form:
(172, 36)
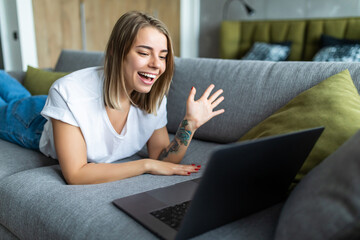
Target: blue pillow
(268, 51)
(338, 53)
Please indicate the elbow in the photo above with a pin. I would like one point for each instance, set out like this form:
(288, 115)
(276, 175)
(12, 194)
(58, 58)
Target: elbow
(73, 180)
(73, 177)
(76, 179)
(84, 176)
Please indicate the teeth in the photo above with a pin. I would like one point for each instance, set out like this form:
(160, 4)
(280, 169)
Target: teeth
(148, 75)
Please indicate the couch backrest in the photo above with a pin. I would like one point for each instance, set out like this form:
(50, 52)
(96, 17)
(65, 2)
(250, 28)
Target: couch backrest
(237, 37)
(72, 60)
(253, 90)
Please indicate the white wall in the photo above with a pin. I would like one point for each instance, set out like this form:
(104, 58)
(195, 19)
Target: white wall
(27, 33)
(285, 9)
(189, 28)
(9, 26)
(16, 17)
(211, 15)
(200, 23)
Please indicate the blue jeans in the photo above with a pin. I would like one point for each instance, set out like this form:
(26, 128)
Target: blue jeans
(20, 119)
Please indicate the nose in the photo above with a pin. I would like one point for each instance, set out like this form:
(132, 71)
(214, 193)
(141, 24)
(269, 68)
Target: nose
(155, 62)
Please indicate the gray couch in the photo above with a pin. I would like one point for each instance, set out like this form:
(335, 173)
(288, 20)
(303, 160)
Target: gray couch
(36, 203)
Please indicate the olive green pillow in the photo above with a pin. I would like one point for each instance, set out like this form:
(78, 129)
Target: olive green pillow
(38, 81)
(334, 103)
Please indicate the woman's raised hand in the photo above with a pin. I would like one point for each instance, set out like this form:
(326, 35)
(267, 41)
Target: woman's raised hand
(202, 110)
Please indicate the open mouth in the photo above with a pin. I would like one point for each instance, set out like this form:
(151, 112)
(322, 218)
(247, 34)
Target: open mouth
(147, 78)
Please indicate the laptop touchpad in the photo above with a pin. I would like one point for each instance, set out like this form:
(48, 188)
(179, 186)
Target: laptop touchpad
(174, 194)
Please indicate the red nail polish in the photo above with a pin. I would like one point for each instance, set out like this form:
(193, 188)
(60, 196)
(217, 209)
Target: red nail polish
(197, 169)
(192, 88)
(193, 165)
(199, 166)
(189, 173)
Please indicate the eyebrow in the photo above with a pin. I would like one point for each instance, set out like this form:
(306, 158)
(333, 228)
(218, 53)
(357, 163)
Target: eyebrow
(150, 48)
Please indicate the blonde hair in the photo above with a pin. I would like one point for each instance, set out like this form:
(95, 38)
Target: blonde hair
(118, 46)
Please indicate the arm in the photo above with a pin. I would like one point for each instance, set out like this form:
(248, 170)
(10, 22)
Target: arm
(71, 151)
(161, 148)
(197, 113)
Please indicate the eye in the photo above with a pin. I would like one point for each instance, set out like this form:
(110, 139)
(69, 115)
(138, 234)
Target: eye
(163, 57)
(143, 53)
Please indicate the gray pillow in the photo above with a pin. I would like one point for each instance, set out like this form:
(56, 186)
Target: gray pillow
(326, 203)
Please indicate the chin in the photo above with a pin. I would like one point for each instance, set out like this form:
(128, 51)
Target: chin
(143, 89)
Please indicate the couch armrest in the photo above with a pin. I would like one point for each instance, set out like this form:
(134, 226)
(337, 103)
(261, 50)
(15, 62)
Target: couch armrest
(18, 75)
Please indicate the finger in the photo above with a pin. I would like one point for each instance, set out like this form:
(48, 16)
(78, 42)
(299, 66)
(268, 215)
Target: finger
(208, 91)
(182, 173)
(217, 102)
(218, 112)
(190, 168)
(192, 94)
(186, 173)
(194, 168)
(215, 95)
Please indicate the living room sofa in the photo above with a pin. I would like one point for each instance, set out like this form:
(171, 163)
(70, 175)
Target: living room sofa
(36, 202)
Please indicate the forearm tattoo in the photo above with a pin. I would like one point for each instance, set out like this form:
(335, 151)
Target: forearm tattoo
(182, 137)
(182, 134)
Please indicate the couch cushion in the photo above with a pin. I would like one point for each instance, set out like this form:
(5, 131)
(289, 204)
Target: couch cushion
(6, 234)
(326, 203)
(261, 225)
(253, 90)
(53, 210)
(333, 103)
(14, 159)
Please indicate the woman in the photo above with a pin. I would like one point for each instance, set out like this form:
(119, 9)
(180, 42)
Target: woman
(98, 115)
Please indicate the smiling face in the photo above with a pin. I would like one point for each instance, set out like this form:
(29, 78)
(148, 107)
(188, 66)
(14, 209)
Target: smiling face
(146, 60)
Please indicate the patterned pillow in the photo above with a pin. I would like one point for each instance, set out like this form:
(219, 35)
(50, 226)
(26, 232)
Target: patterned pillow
(327, 40)
(338, 53)
(268, 52)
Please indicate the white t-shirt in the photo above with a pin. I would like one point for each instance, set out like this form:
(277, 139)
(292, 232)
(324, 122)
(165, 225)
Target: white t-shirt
(77, 99)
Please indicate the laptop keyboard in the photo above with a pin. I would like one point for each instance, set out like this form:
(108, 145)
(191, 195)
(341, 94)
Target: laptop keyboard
(173, 215)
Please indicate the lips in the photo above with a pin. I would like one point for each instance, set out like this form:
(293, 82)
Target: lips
(147, 78)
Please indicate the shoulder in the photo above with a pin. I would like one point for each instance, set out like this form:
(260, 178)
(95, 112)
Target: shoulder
(81, 83)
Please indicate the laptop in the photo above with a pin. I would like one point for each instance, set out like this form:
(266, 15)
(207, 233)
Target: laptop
(239, 179)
